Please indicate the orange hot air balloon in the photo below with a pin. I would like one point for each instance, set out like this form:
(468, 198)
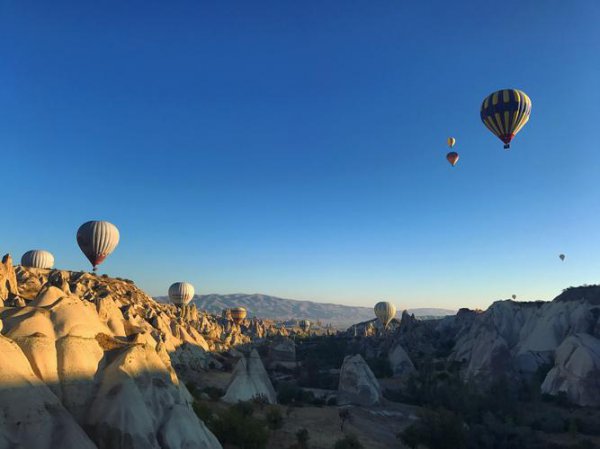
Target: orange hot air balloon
(452, 158)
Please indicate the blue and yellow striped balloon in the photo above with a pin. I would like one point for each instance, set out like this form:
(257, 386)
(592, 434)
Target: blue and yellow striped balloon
(505, 112)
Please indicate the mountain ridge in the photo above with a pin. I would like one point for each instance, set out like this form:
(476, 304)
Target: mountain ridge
(277, 308)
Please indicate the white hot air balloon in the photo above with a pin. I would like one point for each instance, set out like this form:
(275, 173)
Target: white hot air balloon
(304, 325)
(181, 293)
(385, 311)
(97, 239)
(37, 258)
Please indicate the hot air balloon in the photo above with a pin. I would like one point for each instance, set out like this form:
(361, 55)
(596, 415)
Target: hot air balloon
(181, 293)
(451, 142)
(514, 296)
(238, 314)
(304, 325)
(97, 239)
(452, 158)
(385, 311)
(37, 258)
(505, 112)
(562, 257)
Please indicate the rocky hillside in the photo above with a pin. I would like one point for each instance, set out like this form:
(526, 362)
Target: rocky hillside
(559, 340)
(274, 308)
(93, 362)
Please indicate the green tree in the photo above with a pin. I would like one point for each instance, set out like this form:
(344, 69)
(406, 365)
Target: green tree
(348, 442)
(274, 418)
(302, 437)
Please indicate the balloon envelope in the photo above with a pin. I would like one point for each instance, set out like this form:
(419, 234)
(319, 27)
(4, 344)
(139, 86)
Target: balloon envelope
(514, 296)
(562, 257)
(181, 293)
(37, 258)
(451, 142)
(505, 112)
(97, 239)
(304, 325)
(385, 311)
(238, 314)
(452, 158)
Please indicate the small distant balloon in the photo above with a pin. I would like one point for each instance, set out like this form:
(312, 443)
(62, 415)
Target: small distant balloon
(514, 296)
(181, 293)
(562, 257)
(452, 158)
(97, 239)
(451, 142)
(37, 258)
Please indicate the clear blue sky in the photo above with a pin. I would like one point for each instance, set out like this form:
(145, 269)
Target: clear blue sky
(297, 148)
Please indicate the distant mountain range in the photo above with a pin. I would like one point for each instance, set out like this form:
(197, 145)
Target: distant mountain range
(272, 307)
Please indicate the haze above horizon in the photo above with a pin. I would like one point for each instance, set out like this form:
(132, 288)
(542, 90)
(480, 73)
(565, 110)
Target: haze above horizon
(298, 149)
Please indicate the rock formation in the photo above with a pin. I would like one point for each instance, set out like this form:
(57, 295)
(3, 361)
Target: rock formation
(8, 280)
(518, 337)
(358, 384)
(282, 352)
(400, 362)
(88, 361)
(250, 380)
(576, 371)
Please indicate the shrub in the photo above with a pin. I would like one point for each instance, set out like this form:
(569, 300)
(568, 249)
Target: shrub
(236, 426)
(203, 412)
(332, 401)
(260, 400)
(290, 393)
(348, 442)
(318, 402)
(213, 393)
(245, 408)
(437, 430)
(380, 366)
(302, 437)
(274, 418)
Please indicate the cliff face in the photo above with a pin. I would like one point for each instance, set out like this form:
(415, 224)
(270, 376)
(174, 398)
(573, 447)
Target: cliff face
(89, 361)
(517, 339)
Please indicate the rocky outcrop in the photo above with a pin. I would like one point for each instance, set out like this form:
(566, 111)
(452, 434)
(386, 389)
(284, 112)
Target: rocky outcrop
(358, 384)
(250, 380)
(282, 352)
(518, 338)
(80, 351)
(400, 362)
(31, 415)
(8, 280)
(576, 371)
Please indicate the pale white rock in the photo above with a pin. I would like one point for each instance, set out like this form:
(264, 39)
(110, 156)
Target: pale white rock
(400, 362)
(47, 296)
(518, 337)
(250, 380)
(358, 384)
(135, 404)
(40, 351)
(183, 430)
(78, 360)
(31, 416)
(576, 371)
(110, 314)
